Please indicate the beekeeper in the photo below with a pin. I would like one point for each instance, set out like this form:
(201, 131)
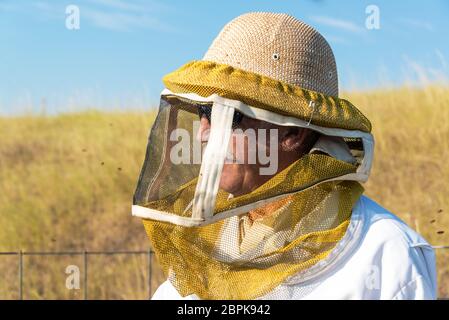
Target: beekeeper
(251, 185)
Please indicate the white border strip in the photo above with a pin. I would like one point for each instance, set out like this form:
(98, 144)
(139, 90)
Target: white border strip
(200, 218)
(363, 170)
(213, 161)
(147, 213)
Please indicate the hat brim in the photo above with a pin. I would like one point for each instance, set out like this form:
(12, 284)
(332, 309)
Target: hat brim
(206, 78)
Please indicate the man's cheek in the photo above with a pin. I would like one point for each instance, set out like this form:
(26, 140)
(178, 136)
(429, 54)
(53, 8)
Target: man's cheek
(236, 150)
(267, 152)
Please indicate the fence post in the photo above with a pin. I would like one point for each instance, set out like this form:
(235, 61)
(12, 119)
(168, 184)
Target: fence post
(85, 274)
(20, 275)
(149, 274)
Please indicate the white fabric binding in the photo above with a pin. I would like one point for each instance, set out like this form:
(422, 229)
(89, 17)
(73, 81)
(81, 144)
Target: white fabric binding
(215, 153)
(212, 162)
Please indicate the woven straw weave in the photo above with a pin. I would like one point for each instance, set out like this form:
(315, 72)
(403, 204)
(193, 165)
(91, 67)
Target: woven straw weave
(277, 46)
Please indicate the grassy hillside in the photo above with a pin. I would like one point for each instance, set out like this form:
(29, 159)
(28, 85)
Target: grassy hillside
(66, 183)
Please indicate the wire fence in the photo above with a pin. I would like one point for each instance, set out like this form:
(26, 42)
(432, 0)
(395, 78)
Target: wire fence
(86, 254)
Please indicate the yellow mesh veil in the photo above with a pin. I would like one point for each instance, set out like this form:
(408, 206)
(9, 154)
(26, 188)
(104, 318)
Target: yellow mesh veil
(221, 246)
(212, 262)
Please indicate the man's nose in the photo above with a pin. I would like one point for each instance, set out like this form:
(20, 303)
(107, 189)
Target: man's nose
(204, 130)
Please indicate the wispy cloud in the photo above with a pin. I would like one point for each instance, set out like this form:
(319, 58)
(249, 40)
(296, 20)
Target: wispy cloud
(418, 24)
(336, 40)
(8, 6)
(122, 21)
(422, 74)
(341, 24)
(141, 6)
(442, 59)
(119, 4)
(116, 15)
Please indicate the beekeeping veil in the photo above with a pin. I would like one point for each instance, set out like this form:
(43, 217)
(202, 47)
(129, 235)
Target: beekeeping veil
(277, 72)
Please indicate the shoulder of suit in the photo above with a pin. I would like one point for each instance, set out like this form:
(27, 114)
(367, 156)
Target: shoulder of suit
(386, 226)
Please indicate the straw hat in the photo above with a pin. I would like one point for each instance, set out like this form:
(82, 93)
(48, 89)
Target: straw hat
(275, 62)
(278, 46)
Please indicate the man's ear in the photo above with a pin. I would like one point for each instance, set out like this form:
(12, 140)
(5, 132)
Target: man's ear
(293, 139)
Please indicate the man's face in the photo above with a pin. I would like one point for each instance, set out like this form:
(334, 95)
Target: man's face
(257, 151)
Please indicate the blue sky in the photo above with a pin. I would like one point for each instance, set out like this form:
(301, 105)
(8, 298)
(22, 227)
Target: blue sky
(123, 48)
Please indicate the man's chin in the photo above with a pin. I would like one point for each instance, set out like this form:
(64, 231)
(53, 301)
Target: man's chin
(232, 187)
(228, 189)
(232, 179)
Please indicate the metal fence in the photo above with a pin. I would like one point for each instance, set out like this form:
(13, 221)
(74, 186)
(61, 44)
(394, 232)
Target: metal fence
(86, 254)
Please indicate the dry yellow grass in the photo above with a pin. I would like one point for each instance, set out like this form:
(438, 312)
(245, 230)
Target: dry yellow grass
(66, 183)
(410, 176)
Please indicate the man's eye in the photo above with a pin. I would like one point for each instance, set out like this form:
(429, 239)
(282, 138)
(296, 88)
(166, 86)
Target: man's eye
(206, 112)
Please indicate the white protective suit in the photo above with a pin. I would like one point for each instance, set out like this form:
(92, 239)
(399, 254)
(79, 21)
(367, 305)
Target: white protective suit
(382, 258)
